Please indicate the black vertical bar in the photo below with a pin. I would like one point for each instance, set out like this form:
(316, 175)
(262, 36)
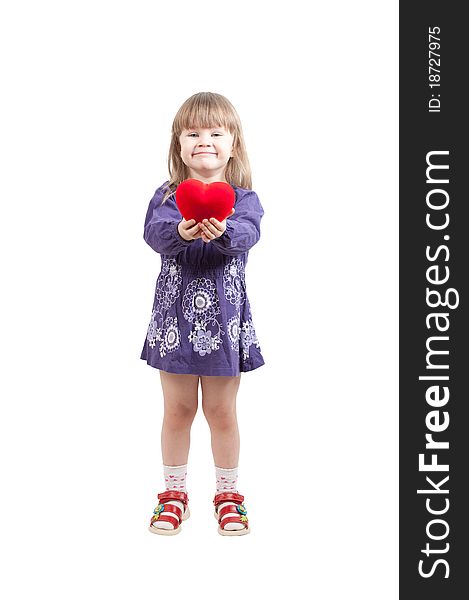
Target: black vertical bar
(433, 260)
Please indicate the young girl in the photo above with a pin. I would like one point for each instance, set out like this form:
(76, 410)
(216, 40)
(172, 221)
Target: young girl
(201, 324)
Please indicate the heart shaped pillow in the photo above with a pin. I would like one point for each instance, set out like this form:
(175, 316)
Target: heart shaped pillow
(198, 200)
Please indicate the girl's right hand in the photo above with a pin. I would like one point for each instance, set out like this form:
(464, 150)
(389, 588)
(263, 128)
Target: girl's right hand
(189, 230)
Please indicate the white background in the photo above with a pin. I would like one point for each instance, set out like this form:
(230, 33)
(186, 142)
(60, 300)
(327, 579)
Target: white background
(89, 93)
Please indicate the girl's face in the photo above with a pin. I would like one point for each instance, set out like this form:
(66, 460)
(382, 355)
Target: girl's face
(206, 152)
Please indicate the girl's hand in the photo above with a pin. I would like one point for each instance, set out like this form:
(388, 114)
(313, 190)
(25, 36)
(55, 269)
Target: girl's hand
(211, 229)
(189, 230)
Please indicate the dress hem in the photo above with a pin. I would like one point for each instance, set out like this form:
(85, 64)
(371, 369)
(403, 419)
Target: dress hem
(223, 372)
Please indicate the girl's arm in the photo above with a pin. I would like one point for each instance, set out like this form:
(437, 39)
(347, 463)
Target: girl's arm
(243, 228)
(161, 225)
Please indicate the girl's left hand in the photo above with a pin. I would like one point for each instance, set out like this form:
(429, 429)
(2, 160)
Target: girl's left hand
(211, 229)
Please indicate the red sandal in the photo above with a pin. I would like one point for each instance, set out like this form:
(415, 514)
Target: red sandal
(170, 508)
(235, 509)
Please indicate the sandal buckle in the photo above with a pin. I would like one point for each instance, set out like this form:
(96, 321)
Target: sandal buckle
(159, 509)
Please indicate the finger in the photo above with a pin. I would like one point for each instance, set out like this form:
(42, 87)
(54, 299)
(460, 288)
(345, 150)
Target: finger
(211, 227)
(193, 230)
(207, 231)
(216, 224)
(189, 223)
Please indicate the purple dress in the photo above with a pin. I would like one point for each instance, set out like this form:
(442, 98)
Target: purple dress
(201, 321)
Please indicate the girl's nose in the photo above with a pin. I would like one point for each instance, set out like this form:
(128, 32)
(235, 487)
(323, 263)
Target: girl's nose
(205, 140)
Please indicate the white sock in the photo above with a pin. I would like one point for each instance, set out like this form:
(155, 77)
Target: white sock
(175, 479)
(227, 480)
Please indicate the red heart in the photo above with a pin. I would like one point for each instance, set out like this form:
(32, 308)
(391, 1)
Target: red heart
(198, 200)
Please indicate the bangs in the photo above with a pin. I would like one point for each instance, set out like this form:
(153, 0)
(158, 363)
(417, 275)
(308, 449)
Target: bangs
(205, 110)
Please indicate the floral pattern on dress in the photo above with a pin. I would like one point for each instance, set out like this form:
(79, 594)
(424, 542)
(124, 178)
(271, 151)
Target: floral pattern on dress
(172, 337)
(233, 332)
(200, 306)
(248, 338)
(168, 286)
(168, 289)
(203, 342)
(234, 283)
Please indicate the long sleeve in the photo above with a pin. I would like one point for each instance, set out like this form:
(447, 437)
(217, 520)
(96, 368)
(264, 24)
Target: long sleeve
(243, 228)
(161, 222)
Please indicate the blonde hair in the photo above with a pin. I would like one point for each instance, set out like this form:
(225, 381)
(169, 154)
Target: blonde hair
(205, 110)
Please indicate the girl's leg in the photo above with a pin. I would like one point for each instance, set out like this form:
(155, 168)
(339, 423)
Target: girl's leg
(180, 407)
(219, 406)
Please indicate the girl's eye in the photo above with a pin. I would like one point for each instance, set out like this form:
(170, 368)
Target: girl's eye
(194, 133)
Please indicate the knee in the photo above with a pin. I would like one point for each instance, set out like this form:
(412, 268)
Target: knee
(219, 415)
(179, 415)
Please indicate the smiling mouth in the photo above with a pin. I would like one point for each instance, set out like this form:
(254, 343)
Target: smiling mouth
(211, 153)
